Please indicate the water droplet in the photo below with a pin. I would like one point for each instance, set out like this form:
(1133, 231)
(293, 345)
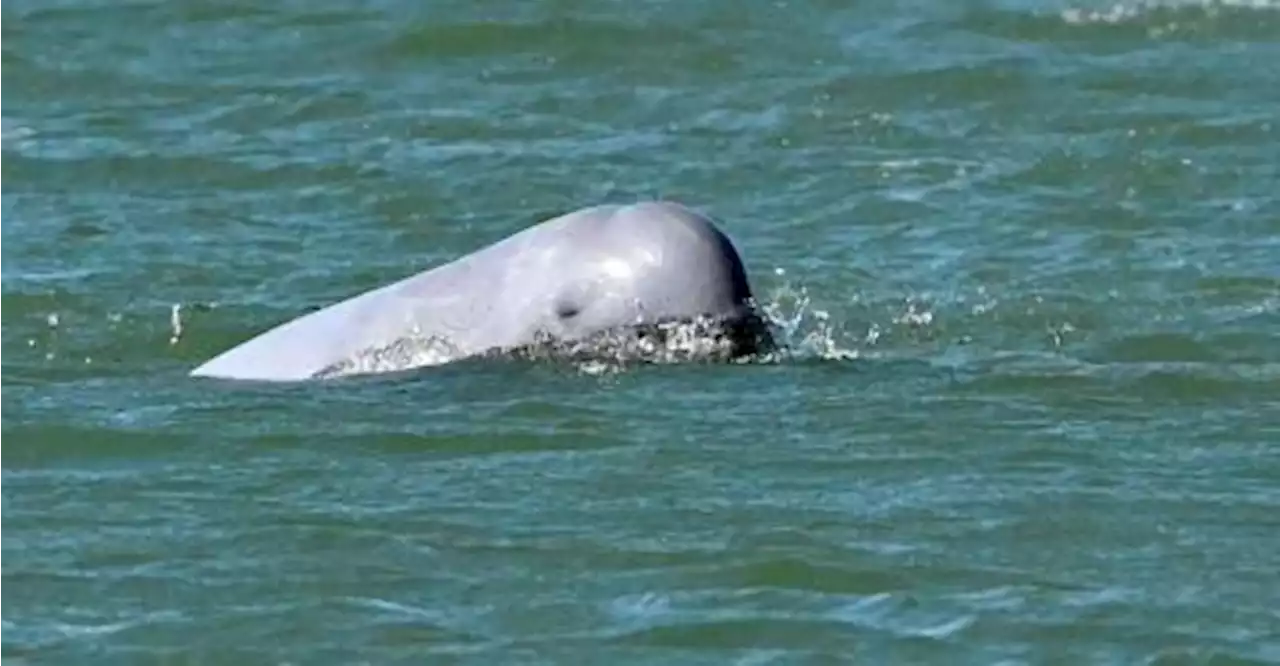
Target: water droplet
(175, 322)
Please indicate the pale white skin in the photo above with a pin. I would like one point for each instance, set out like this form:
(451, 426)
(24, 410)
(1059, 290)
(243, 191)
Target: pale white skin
(588, 271)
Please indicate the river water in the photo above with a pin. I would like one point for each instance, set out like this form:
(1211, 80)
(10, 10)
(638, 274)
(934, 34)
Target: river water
(1024, 254)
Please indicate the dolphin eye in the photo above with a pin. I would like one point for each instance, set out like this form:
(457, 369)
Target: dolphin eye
(567, 309)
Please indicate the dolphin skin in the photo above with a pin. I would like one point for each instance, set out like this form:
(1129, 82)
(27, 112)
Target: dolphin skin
(569, 279)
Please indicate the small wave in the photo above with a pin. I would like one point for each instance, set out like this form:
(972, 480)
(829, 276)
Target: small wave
(733, 620)
(395, 608)
(1145, 10)
(644, 608)
(1178, 19)
(12, 130)
(1132, 20)
(898, 617)
(42, 635)
(1209, 655)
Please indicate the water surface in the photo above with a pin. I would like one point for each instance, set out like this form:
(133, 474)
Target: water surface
(1024, 254)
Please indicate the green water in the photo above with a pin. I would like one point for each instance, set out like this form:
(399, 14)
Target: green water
(1025, 255)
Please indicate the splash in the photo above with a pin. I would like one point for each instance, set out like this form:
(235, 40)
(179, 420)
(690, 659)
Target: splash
(802, 330)
(699, 340)
(414, 351)
(175, 323)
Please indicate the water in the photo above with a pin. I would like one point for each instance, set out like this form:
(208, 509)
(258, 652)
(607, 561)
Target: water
(1024, 254)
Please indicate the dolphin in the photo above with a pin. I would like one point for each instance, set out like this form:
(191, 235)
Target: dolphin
(608, 272)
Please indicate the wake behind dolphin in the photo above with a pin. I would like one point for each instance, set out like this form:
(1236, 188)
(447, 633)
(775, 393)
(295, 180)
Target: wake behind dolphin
(613, 281)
